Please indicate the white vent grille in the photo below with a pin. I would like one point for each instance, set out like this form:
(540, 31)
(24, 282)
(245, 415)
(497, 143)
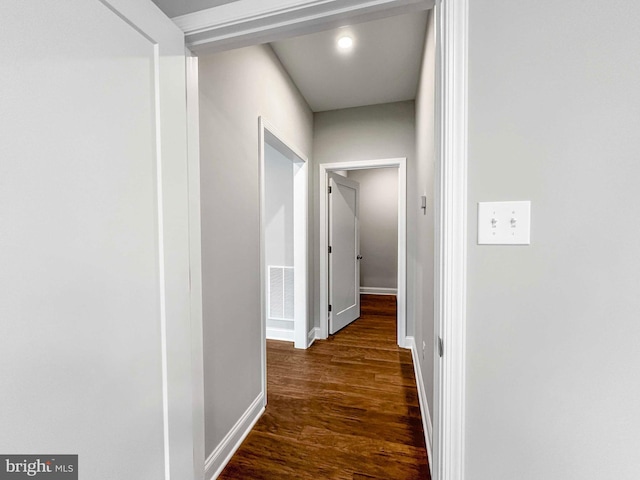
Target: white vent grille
(281, 298)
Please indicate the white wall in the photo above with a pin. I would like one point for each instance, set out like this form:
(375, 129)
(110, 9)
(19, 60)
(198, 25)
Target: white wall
(366, 133)
(378, 226)
(236, 87)
(94, 270)
(423, 283)
(553, 328)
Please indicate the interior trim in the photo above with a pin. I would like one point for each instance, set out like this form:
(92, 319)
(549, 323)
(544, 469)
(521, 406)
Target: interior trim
(451, 238)
(249, 22)
(324, 169)
(423, 399)
(233, 439)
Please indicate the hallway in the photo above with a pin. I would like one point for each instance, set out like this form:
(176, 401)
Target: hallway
(346, 408)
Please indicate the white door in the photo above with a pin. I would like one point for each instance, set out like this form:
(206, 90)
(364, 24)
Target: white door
(94, 244)
(344, 255)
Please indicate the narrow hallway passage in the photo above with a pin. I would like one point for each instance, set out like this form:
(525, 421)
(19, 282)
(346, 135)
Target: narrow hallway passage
(346, 408)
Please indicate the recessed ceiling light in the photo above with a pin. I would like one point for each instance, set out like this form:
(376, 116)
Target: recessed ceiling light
(345, 43)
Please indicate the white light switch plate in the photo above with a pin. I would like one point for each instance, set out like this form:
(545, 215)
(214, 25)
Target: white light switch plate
(504, 223)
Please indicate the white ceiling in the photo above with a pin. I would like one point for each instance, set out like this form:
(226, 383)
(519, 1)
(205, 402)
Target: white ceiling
(175, 8)
(383, 66)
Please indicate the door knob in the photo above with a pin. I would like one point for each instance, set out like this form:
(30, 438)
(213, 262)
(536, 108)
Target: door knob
(359, 257)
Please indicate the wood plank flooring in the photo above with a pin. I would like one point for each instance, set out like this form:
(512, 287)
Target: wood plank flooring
(346, 408)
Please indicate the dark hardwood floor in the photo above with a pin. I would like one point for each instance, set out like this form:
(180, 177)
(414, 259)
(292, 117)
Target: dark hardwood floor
(346, 408)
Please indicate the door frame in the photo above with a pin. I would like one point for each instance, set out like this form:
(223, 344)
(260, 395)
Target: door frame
(195, 270)
(324, 169)
(253, 22)
(451, 237)
(244, 25)
(300, 244)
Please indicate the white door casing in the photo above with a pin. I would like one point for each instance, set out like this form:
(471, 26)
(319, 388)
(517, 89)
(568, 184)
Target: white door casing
(452, 30)
(195, 271)
(252, 22)
(300, 237)
(323, 241)
(241, 25)
(95, 353)
(344, 252)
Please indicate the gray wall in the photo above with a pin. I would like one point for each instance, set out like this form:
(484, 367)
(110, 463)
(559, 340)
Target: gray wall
(235, 88)
(553, 362)
(378, 226)
(423, 279)
(366, 133)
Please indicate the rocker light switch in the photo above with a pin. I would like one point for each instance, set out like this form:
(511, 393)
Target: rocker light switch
(504, 223)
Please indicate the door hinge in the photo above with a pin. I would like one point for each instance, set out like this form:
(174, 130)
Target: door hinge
(329, 307)
(440, 347)
(329, 249)
(329, 188)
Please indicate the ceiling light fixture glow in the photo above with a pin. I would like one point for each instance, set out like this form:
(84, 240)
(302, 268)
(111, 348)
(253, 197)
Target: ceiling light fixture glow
(345, 43)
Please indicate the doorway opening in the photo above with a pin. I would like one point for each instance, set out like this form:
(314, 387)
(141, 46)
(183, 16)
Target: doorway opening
(283, 239)
(328, 169)
(449, 211)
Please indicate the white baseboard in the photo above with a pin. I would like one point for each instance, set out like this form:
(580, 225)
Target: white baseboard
(378, 291)
(410, 342)
(232, 441)
(312, 335)
(280, 334)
